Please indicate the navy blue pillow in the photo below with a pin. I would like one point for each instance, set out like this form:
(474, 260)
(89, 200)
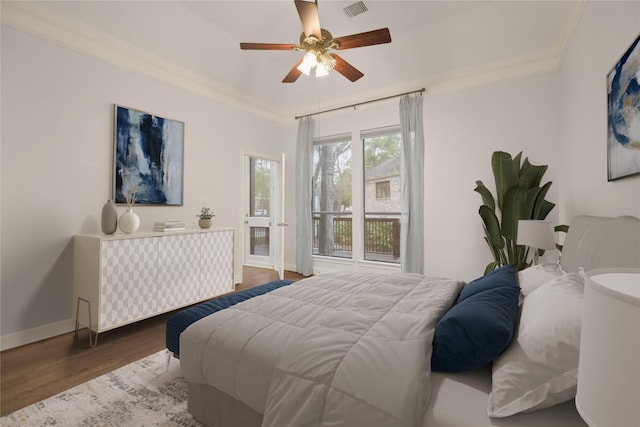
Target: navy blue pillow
(503, 276)
(480, 326)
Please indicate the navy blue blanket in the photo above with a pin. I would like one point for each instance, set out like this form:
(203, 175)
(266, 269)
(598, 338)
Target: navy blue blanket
(182, 319)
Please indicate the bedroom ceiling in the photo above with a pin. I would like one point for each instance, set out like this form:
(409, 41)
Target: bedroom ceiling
(440, 45)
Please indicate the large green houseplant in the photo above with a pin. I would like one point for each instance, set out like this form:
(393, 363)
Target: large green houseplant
(519, 196)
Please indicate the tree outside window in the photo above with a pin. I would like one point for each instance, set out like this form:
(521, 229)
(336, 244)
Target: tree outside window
(331, 198)
(332, 181)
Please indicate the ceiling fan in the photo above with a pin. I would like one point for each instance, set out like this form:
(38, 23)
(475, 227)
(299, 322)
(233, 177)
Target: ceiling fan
(317, 42)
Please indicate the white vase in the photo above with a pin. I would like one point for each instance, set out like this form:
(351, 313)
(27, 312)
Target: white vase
(129, 221)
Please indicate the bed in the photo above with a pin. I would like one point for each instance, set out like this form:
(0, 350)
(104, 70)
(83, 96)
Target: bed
(359, 349)
(178, 322)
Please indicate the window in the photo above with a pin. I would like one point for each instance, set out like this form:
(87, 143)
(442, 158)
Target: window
(331, 197)
(381, 201)
(383, 189)
(377, 227)
(259, 188)
(260, 173)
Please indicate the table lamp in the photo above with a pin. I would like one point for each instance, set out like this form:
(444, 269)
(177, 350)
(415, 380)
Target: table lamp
(537, 234)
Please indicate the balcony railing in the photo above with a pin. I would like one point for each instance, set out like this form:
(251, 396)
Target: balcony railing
(332, 235)
(259, 241)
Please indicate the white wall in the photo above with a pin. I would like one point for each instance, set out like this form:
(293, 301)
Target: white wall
(558, 119)
(57, 120)
(605, 33)
(56, 155)
(462, 130)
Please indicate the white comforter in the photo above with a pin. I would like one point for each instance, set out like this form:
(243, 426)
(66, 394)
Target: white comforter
(350, 349)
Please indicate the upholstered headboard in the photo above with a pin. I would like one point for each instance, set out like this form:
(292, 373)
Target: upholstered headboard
(599, 242)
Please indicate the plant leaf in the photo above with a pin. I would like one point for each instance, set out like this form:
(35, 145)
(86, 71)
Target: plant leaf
(521, 265)
(546, 208)
(517, 170)
(487, 197)
(492, 226)
(531, 175)
(504, 174)
(494, 251)
(532, 197)
(490, 267)
(542, 207)
(515, 203)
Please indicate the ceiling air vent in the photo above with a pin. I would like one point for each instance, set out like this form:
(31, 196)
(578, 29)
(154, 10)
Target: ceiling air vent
(355, 9)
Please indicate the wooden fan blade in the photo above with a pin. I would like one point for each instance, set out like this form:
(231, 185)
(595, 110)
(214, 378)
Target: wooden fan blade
(267, 46)
(294, 73)
(346, 69)
(368, 38)
(308, 13)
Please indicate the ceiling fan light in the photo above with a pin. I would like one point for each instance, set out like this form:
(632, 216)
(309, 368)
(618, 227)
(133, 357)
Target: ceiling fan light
(308, 63)
(328, 61)
(322, 70)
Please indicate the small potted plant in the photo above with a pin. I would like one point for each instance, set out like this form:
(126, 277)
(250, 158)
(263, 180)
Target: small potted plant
(205, 217)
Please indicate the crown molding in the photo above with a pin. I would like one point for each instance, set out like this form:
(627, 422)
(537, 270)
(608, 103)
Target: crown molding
(536, 64)
(543, 62)
(91, 43)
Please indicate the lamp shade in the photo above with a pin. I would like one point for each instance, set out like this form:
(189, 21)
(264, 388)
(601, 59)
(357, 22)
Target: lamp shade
(609, 367)
(536, 233)
(308, 62)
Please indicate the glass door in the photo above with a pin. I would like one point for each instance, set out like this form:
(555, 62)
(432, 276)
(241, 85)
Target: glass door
(262, 209)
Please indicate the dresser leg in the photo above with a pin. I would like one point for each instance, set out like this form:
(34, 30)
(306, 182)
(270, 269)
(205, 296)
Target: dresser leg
(93, 341)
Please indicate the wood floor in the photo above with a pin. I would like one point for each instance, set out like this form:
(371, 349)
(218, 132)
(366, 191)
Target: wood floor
(40, 370)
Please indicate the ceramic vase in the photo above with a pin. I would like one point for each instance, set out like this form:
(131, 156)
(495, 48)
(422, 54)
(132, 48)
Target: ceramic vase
(204, 223)
(129, 221)
(109, 219)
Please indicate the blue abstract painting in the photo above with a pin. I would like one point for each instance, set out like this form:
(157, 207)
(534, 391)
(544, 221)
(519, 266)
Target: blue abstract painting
(149, 158)
(623, 96)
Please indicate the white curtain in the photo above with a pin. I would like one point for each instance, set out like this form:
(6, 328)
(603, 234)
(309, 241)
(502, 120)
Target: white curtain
(304, 159)
(412, 185)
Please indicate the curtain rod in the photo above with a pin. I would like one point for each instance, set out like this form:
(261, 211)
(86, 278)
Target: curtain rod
(361, 103)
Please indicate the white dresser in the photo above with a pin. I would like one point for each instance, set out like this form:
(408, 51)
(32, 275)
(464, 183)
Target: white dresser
(122, 278)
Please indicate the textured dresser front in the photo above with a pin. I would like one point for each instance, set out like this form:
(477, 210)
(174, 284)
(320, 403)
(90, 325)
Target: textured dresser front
(179, 266)
(194, 267)
(217, 263)
(128, 278)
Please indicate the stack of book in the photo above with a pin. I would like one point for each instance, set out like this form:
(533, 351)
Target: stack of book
(168, 226)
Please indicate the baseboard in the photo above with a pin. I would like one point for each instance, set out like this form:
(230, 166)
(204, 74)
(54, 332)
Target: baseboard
(287, 267)
(40, 333)
(328, 264)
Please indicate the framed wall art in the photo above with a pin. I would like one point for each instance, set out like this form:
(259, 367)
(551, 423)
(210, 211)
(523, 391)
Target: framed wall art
(148, 158)
(623, 115)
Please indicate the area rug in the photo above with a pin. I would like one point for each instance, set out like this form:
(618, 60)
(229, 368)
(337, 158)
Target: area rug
(143, 393)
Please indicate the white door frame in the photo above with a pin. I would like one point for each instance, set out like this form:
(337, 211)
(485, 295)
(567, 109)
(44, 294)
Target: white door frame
(276, 247)
(282, 223)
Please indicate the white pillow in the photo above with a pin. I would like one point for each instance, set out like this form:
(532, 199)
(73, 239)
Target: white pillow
(540, 367)
(532, 278)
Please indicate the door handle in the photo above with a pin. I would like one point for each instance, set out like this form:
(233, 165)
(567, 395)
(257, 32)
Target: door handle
(283, 224)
